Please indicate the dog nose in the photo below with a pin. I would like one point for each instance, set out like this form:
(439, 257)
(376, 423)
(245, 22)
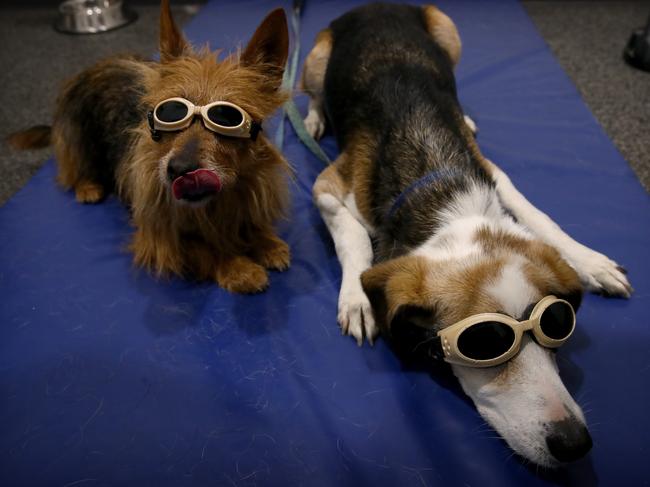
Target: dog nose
(178, 166)
(568, 440)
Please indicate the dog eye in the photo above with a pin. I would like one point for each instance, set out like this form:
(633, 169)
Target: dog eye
(225, 115)
(171, 111)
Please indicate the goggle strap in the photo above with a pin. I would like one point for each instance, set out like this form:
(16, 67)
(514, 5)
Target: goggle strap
(155, 134)
(434, 348)
(256, 128)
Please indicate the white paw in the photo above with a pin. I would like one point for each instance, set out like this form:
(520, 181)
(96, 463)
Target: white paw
(470, 123)
(600, 274)
(315, 124)
(355, 315)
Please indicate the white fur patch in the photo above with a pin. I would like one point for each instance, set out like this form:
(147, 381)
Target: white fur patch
(162, 167)
(455, 239)
(354, 250)
(512, 289)
(521, 398)
(471, 124)
(477, 200)
(350, 203)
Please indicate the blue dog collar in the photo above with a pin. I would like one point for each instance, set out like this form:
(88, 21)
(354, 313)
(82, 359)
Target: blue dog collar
(425, 180)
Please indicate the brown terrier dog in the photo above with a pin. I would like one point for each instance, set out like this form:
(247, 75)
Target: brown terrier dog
(203, 193)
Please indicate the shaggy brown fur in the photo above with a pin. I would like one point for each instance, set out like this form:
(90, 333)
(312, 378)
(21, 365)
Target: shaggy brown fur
(103, 143)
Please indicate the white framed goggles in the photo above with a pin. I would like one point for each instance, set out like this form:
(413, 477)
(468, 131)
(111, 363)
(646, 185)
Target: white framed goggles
(489, 339)
(221, 117)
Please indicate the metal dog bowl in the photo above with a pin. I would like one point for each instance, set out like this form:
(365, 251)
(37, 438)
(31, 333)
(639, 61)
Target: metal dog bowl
(92, 16)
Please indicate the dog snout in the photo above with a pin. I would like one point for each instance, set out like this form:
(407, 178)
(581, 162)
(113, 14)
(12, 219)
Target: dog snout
(178, 166)
(184, 160)
(568, 440)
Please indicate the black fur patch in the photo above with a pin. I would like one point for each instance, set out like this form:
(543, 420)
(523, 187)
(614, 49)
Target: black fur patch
(387, 76)
(105, 104)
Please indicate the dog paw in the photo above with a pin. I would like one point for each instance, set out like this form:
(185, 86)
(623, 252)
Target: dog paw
(600, 274)
(275, 256)
(470, 123)
(315, 124)
(242, 275)
(87, 192)
(355, 315)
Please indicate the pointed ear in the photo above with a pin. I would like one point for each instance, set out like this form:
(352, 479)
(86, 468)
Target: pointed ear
(268, 49)
(172, 42)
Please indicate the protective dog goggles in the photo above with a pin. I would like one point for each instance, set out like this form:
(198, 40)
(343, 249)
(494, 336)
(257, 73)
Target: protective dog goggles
(489, 339)
(222, 117)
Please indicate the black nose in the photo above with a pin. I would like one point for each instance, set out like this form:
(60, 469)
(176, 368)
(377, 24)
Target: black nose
(568, 440)
(178, 166)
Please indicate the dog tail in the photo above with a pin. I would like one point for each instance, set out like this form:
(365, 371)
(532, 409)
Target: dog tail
(35, 137)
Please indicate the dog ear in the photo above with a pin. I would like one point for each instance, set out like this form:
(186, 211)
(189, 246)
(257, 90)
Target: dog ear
(394, 284)
(268, 49)
(412, 330)
(574, 297)
(172, 42)
(373, 282)
(399, 298)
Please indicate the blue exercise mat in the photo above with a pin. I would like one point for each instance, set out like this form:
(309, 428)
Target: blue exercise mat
(111, 377)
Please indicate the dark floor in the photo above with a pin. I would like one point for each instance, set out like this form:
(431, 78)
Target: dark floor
(587, 37)
(35, 60)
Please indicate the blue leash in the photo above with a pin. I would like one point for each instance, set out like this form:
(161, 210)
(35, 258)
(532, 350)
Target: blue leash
(295, 118)
(290, 110)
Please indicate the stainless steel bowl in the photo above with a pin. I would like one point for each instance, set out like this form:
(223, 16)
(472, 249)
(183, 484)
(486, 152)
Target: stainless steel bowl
(92, 16)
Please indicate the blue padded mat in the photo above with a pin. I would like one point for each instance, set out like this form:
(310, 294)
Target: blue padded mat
(110, 377)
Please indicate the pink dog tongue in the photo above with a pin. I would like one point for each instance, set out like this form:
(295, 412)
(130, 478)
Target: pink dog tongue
(196, 183)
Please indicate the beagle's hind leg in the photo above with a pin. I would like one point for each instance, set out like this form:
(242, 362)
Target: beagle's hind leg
(313, 80)
(443, 30)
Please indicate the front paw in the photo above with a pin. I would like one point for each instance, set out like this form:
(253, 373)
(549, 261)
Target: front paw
(88, 192)
(600, 274)
(355, 315)
(242, 275)
(275, 255)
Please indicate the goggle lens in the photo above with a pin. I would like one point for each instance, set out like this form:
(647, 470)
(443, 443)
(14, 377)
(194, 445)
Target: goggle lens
(486, 340)
(171, 111)
(556, 321)
(225, 115)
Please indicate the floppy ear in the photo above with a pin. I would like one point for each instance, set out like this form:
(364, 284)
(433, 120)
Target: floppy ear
(373, 282)
(268, 49)
(172, 42)
(394, 284)
(399, 298)
(573, 297)
(412, 330)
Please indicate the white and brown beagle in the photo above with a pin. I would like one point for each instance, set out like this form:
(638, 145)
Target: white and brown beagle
(438, 249)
